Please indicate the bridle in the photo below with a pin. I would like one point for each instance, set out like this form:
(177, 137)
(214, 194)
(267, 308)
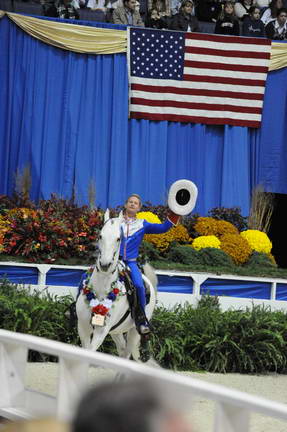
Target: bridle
(104, 268)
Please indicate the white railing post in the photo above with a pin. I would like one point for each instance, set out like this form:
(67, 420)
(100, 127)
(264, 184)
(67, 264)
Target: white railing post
(230, 418)
(273, 291)
(73, 378)
(12, 374)
(197, 281)
(43, 270)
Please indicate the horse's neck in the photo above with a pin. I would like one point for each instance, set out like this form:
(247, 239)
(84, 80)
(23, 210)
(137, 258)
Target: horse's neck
(101, 282)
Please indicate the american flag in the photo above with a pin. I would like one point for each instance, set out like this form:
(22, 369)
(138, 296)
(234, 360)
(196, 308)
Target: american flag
(196, 77)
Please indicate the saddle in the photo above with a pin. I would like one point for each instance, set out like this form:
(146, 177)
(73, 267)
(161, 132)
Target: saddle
(137, 313)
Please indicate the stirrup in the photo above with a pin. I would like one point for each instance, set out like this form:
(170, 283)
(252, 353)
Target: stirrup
(144, 329)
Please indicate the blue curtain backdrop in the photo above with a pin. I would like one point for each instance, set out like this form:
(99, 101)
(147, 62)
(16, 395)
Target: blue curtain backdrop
(66, 115)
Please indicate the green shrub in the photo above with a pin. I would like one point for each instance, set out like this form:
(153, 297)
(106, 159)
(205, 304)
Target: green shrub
(184, 338)
(148, 252)
(215, 257)
(184, 255)
(208, 301)
(204, 338)
(32, 313)
(168, 339)
(259, 260)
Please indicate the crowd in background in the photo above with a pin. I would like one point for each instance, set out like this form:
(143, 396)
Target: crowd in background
(257, 18)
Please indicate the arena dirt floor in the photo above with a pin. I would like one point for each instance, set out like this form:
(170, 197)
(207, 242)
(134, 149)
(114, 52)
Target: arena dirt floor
(43, 377)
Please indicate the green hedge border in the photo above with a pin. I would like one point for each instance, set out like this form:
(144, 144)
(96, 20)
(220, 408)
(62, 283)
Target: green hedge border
(184, 338)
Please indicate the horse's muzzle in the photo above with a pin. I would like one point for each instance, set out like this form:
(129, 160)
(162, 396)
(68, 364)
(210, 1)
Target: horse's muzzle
(104, 267)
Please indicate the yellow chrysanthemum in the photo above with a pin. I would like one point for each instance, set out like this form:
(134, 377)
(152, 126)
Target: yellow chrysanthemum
(237, 247)
(162, 241)
(149, 217)
(208, 241)
(257, 240)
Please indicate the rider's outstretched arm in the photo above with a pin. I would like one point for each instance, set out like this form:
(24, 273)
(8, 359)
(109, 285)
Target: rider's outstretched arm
(172, 219)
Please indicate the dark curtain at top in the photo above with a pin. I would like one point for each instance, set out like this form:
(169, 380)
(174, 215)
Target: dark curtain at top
(66, 115)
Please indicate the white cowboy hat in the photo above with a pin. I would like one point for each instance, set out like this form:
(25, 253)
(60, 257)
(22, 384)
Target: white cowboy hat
(182, 197)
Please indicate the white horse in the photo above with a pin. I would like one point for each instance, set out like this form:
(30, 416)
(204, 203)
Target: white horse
(104, 279)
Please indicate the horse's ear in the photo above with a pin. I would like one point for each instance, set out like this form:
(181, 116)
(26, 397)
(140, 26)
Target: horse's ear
(121, 215)
(107, 215)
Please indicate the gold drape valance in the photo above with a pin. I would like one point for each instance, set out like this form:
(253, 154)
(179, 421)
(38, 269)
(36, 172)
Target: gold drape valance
(95, 40)
(278, 56)
(73, 37)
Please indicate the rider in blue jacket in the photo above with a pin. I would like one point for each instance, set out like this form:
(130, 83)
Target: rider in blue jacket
(133, 231)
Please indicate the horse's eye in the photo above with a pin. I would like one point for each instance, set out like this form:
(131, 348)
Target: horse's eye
(118, 239)
(100, 237)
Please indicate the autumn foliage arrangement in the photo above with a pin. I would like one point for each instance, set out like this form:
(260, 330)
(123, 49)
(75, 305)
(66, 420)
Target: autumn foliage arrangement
(57, 229)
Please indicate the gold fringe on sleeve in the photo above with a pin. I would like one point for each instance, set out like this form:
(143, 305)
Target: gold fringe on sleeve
(73, 37)
(2, 13)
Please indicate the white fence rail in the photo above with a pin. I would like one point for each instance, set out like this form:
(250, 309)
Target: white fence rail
(166, 298)
(233, 407)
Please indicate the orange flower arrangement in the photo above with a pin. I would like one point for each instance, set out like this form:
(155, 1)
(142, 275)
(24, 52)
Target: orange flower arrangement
(233, 245)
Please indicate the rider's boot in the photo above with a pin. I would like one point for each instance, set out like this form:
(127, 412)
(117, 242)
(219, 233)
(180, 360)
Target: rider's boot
(141, 321)
(144, 329)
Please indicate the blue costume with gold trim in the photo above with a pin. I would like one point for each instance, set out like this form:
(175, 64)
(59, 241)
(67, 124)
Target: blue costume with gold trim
(133, 231)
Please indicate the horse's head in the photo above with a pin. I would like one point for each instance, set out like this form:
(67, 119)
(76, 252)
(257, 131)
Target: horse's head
(109, 243)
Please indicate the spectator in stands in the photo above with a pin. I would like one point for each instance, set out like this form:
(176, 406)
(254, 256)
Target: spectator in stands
(262, 4)
(242, 7)
(79, 3)
(154, 20)
(277, 29)
(174, 6)
(208, 10)
(103, 5)
(271, 13)
(252, 24)
(127, 14)
(227, 23)
(63, 9)
(162, 6)
(184, 20)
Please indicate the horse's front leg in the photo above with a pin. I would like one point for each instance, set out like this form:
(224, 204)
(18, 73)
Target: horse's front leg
(85, 332)
(121, 345)
(99, 335)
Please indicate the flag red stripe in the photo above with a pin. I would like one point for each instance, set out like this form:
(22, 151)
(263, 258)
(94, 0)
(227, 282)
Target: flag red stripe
(227, 39)
(195, 105)
(227, 53)
(223, 80)
(194, 119)
(196, 92)
(225, 66)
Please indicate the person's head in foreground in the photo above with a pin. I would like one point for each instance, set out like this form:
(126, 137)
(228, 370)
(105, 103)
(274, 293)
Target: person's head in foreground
(127, 406)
